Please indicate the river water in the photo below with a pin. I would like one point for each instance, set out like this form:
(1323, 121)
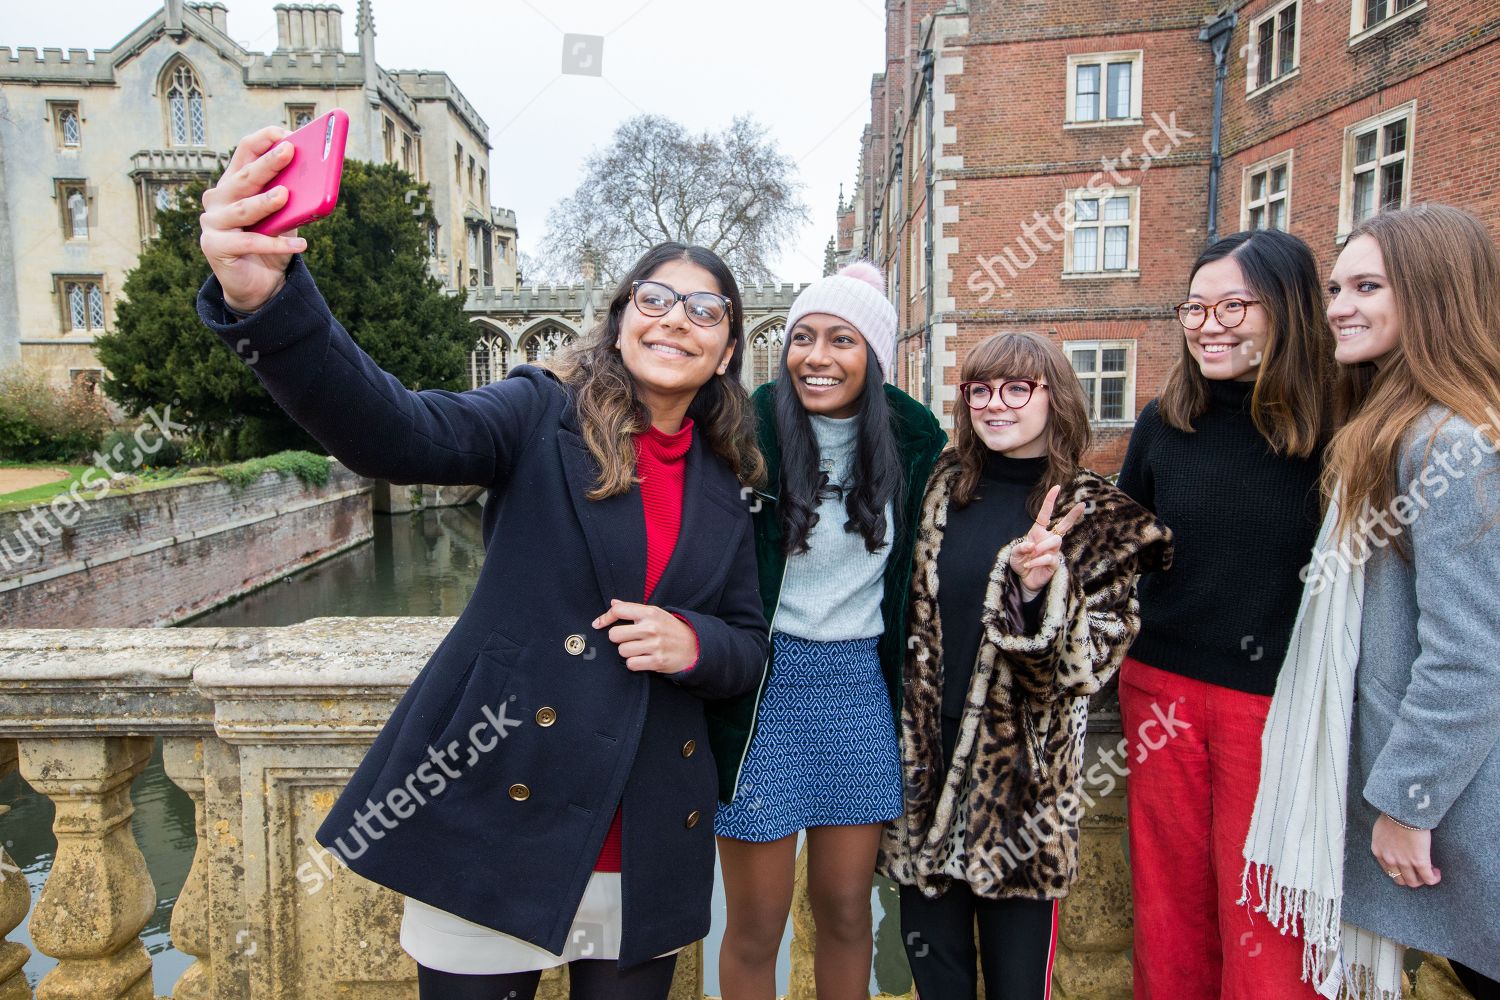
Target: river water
(425, 563)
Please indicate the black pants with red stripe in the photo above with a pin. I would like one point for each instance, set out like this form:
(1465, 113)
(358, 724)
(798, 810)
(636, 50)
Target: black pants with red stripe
(1016, 944)
(1017, 937)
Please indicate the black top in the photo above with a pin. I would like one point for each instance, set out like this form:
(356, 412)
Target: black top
(1243, 523)
(975, 535)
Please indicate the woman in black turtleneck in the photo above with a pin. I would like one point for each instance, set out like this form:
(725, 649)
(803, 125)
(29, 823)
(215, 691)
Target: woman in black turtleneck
(1015, 619)
(1229, 457)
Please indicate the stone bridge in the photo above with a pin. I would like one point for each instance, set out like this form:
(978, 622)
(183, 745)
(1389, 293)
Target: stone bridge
(262, 727)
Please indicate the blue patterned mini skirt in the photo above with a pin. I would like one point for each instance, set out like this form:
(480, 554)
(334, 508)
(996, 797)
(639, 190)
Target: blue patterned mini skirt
(824, 751)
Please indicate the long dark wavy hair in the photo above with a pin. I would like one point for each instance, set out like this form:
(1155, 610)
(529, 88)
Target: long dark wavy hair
(1291, 401)
(610, 410)
(876, 473)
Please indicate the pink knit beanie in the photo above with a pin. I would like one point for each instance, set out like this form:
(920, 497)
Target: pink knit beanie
(856, 295)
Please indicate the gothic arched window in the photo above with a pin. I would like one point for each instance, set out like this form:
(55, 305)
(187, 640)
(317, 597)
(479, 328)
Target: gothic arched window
(72, 134)
(489, 361)
(78, 215)
(765, 355)
(185, 106)
(542, 345)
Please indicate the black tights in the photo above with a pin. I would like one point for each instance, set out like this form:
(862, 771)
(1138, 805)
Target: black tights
(1016, 938)
(1483, 987)
(589, 979)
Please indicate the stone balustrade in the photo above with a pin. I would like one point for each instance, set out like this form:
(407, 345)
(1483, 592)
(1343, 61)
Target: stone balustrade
(262, 727)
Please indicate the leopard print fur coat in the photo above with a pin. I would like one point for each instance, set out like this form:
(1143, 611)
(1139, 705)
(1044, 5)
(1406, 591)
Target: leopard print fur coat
(1004, 816)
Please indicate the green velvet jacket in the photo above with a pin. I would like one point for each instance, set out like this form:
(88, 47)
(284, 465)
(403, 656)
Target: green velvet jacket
(731, 722)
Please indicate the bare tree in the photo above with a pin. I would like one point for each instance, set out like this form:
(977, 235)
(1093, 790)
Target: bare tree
(734, 193)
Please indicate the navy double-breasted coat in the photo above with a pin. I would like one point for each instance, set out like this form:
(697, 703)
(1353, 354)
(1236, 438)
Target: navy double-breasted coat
(490, 790)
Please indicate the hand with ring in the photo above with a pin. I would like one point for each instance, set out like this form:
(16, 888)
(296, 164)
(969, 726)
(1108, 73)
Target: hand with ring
(1405, 854)
(1036, 558)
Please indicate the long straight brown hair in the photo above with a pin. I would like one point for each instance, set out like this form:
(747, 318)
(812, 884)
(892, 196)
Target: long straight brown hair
(1022, 354)
(610, 410)
(1444, 275)
(1290, 400)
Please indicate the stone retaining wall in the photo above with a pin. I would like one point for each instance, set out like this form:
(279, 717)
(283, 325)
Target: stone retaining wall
(161, 556)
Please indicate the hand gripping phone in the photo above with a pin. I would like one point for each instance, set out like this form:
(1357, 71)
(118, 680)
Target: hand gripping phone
(312, 177)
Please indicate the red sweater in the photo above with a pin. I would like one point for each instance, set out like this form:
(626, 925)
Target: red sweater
(661, 463)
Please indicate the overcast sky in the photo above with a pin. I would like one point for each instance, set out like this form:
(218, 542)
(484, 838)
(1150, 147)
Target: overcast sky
(800, 67)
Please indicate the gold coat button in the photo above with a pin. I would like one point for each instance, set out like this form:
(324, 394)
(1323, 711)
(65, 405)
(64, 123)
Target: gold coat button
(689, 747)
(692, 819)
(546, 716)
(521, 793)
(574, 644)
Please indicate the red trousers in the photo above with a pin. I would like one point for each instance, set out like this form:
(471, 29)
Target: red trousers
(1194, 756)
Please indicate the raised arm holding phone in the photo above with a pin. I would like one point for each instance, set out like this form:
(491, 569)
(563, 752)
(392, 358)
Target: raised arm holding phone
(548, 770)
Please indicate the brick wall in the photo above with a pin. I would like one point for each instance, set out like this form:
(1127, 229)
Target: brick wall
(155, 558)
(1011, 156)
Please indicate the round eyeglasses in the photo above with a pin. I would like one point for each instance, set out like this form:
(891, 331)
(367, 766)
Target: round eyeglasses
(653, 298)
(1229, 312)
(1014, 392)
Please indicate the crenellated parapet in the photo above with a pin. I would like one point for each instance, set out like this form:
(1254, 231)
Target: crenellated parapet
(435, 85)
(52, 65)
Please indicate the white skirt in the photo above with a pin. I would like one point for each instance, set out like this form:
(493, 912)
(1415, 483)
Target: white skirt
(449, 943)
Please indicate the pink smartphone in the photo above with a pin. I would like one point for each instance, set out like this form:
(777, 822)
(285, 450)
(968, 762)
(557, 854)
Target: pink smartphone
(312, 178)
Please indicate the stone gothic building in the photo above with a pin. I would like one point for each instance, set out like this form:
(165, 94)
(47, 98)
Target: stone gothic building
(92, 143)
(530, 324)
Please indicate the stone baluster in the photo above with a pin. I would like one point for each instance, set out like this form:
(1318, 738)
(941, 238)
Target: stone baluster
(182, 759)
(1095, 924)
(99, 894)
(15, 900)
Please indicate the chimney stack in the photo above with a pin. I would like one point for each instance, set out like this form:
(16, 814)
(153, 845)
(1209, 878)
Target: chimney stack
(309, 27)
(214, 13)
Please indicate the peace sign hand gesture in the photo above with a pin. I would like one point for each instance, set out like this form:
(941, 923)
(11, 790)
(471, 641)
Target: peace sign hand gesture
(1037, 557)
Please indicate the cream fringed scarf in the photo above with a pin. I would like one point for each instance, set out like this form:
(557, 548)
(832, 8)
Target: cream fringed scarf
(1294, 854)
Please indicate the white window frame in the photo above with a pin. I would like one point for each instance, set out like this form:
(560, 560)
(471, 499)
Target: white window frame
(55, 112)
(1102, 59)
(1408, 112)
(1132, 252)
(1247, 204)
(63, 189)
(1252, 47)
(61, 286)
(183, 79)
(1127, 404)
(1359, 31)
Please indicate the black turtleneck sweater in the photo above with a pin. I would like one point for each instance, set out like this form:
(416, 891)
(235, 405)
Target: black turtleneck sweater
(975, 535)
(1243, 523)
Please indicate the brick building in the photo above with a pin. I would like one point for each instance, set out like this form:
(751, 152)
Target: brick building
(1050, 166)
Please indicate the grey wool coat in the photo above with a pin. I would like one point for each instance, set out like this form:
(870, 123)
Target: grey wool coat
(1426, 740)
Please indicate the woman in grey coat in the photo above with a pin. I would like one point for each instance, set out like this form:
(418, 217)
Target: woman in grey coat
(1415, 308)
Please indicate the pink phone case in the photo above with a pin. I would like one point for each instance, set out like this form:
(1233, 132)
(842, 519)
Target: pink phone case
(312, 178)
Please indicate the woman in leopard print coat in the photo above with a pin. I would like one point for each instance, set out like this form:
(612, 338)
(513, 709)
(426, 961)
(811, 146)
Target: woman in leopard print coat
(1034, 616)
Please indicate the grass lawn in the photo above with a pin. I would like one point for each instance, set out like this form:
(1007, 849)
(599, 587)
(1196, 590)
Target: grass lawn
(305, 466)
(154, 479)
(46, 491)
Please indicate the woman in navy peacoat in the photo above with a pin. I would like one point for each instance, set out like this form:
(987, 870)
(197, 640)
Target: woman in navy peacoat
(490, 790)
